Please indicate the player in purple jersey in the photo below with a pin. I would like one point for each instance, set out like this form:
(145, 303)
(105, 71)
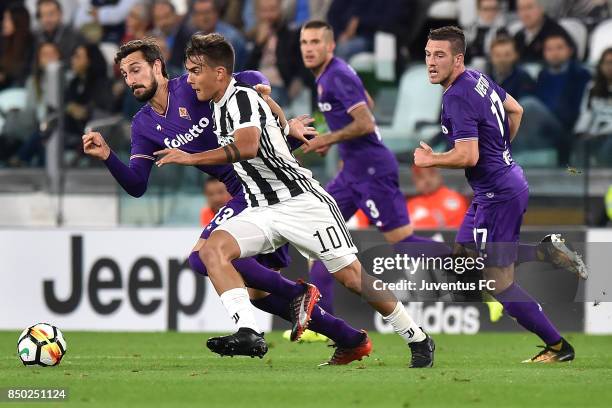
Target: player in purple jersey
(480, 120)
(369, 177)
(172, 117)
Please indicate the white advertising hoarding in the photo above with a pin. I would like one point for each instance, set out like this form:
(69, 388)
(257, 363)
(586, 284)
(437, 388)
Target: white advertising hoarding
(119, 279)
(598, 315)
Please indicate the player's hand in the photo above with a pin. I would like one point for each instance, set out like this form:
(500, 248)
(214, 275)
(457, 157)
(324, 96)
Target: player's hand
(423, 156)
(319, 144)
(299, 128)
(95, 145)
(172, 156)
(322, 151)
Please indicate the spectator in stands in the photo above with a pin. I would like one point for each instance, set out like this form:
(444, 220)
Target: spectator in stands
(505, 71)
(174, 30)
(137, 23)
(562, 82)
(356, 21)
(537, 26)
(69, 8)
(591, 12)
(490, 23)
(88, 93)
(435, 205)
(32, 151)
(16, 51)
(300, 11)
(216, 197)
(595, 119)
(276, 51)
(51, 28)
(110, 14)
(205, 18)
(553, 112)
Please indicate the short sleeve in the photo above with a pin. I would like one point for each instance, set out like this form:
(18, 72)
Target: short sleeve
(141, 147)
(251, 78)
(348, 90)
(243, 110)
(463, 118)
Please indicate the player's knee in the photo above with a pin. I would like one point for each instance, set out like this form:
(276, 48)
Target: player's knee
(212, 256)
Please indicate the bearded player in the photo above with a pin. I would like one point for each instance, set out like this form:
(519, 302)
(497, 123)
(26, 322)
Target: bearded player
(172, 117)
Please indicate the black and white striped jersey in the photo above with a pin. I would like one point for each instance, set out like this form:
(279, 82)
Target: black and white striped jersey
(274, 175)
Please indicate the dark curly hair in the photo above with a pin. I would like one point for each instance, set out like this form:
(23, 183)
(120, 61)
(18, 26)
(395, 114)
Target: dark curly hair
(149, 48)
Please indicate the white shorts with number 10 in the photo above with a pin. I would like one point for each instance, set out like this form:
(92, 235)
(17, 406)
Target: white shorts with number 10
(310, 221)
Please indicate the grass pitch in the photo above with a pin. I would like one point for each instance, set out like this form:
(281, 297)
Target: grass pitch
(175, 370)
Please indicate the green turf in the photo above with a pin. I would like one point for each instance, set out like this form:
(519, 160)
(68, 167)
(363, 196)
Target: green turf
(174, 369)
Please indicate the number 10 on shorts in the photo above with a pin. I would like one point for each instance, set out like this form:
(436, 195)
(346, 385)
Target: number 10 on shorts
(329, 238)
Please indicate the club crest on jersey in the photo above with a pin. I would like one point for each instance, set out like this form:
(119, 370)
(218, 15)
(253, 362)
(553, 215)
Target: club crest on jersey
(319, 90)
(158, 127)
(183, 113)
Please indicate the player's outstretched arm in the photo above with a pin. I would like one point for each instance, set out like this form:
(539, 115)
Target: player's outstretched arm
(464, 154)
(362, 125)
(245, 147)
(298, 128)
(133, 178)
(515, 114)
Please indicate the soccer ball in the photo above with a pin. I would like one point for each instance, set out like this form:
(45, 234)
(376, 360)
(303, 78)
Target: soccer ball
(42, 344)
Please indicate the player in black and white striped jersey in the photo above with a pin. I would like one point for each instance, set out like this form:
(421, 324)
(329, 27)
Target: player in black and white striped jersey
(286, 203)
(274, 175)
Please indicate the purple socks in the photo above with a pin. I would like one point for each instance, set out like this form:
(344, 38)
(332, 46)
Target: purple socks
(527, 253)
(322, 322)
(255, 276)
(528, 313)
(322, 279)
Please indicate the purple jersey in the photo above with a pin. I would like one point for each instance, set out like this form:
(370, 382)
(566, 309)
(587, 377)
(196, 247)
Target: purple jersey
(340, 91)
(472, 109)
(187, 124)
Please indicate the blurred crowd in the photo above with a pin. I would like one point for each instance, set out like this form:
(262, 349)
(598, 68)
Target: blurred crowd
(522, 44)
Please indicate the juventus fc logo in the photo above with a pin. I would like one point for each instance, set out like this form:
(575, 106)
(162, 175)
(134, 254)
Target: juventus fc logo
(235, 317)
(409, 332)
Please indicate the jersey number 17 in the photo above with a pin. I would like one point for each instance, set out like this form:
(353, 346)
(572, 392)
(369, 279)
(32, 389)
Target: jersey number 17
(497, 107)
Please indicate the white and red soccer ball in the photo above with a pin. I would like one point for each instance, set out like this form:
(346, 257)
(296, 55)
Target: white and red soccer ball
(42, 344)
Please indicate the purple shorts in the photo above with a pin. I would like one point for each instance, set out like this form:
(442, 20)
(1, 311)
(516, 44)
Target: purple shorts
(495, 229)
(379, 198)
(275, 260)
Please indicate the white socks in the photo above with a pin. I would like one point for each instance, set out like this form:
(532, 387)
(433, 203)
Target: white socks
(404, 325)
(238, 306)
